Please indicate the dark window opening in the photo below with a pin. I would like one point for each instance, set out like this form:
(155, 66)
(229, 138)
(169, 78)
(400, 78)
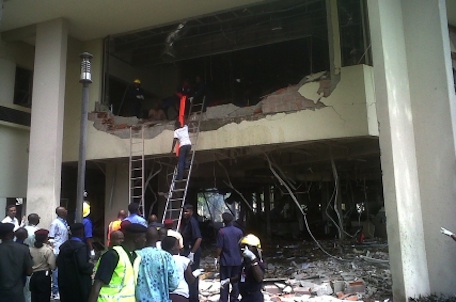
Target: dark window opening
(241, 55)
(23, 87)
(354, 33)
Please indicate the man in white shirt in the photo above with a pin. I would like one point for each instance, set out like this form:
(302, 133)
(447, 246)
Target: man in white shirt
(11, 217)
(58, 233)
(31, 227)
(185, 145)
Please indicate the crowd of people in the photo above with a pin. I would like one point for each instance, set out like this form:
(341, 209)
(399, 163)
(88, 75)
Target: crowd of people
(144, 261)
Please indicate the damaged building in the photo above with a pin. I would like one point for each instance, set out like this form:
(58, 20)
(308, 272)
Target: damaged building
(323, 119)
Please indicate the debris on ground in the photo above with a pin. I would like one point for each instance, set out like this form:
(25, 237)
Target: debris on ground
(303, 272)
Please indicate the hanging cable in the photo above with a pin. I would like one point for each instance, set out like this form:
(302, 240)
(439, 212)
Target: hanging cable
(230, 185)
(283, 183)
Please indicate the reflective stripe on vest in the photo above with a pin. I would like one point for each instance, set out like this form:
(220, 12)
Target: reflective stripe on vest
(123, 280)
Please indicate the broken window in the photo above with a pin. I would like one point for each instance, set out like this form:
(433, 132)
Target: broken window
(354, 32)
(241, 55)
(212, 204)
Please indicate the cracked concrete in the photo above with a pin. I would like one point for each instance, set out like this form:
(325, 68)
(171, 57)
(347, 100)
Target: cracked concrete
(287, 99)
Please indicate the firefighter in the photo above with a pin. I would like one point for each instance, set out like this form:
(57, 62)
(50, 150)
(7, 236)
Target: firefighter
(136, 97)
(252, 270)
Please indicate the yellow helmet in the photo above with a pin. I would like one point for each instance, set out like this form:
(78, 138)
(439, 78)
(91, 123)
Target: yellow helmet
(137, 81)
(85, 209)
(251, 240)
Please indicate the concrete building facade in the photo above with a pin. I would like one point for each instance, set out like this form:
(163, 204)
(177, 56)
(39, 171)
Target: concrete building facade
(388, 121)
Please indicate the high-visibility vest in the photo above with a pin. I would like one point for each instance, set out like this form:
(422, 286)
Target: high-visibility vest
(123, 280)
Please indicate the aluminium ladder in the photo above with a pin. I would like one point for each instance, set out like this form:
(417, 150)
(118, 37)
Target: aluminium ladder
(136, 165)
(175, 199)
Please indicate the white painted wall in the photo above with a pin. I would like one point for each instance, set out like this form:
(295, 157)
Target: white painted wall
(13, 161)
(14, 139)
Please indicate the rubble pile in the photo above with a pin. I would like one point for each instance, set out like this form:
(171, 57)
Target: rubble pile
(303, 272)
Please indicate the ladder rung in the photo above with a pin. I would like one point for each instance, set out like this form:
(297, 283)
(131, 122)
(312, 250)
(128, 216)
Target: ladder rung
(137, 187)
(136, 178)
(176, 199)
(179, 190)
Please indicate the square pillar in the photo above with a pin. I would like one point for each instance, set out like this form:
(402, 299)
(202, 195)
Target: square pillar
(398, 151)
(427, 42)
(46, 133)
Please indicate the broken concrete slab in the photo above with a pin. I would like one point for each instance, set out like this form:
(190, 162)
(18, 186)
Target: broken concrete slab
(317, 277)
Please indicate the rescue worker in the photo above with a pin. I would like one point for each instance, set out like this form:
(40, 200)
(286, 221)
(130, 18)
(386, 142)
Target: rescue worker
(136, 97)
(88, 228)
(115, 225)
(252, 270)
(182, 137)
(118, 268)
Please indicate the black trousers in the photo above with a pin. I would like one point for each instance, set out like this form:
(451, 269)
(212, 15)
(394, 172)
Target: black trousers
(40, 286)
(177, 298)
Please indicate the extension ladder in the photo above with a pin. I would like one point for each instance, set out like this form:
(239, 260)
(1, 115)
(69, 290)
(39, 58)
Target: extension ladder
(177, 193)
(136, 166)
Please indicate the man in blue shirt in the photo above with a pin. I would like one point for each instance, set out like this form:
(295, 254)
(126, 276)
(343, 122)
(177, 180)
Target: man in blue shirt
(158, 275)
(135, 214)
(229, 253)
(88, 228)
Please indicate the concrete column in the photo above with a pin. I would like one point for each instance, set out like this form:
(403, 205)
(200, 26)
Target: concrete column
(432, 98)
(416, 110)
(116, 190)
(45, 160)
(401, 188)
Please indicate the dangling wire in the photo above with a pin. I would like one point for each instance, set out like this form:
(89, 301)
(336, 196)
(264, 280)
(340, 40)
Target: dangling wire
(215, 177)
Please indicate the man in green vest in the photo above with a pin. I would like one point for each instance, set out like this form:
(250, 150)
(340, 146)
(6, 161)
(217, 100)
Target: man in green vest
(115, 278)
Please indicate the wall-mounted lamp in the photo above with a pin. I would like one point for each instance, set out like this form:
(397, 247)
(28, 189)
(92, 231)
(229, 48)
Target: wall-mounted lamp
(86, 70)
